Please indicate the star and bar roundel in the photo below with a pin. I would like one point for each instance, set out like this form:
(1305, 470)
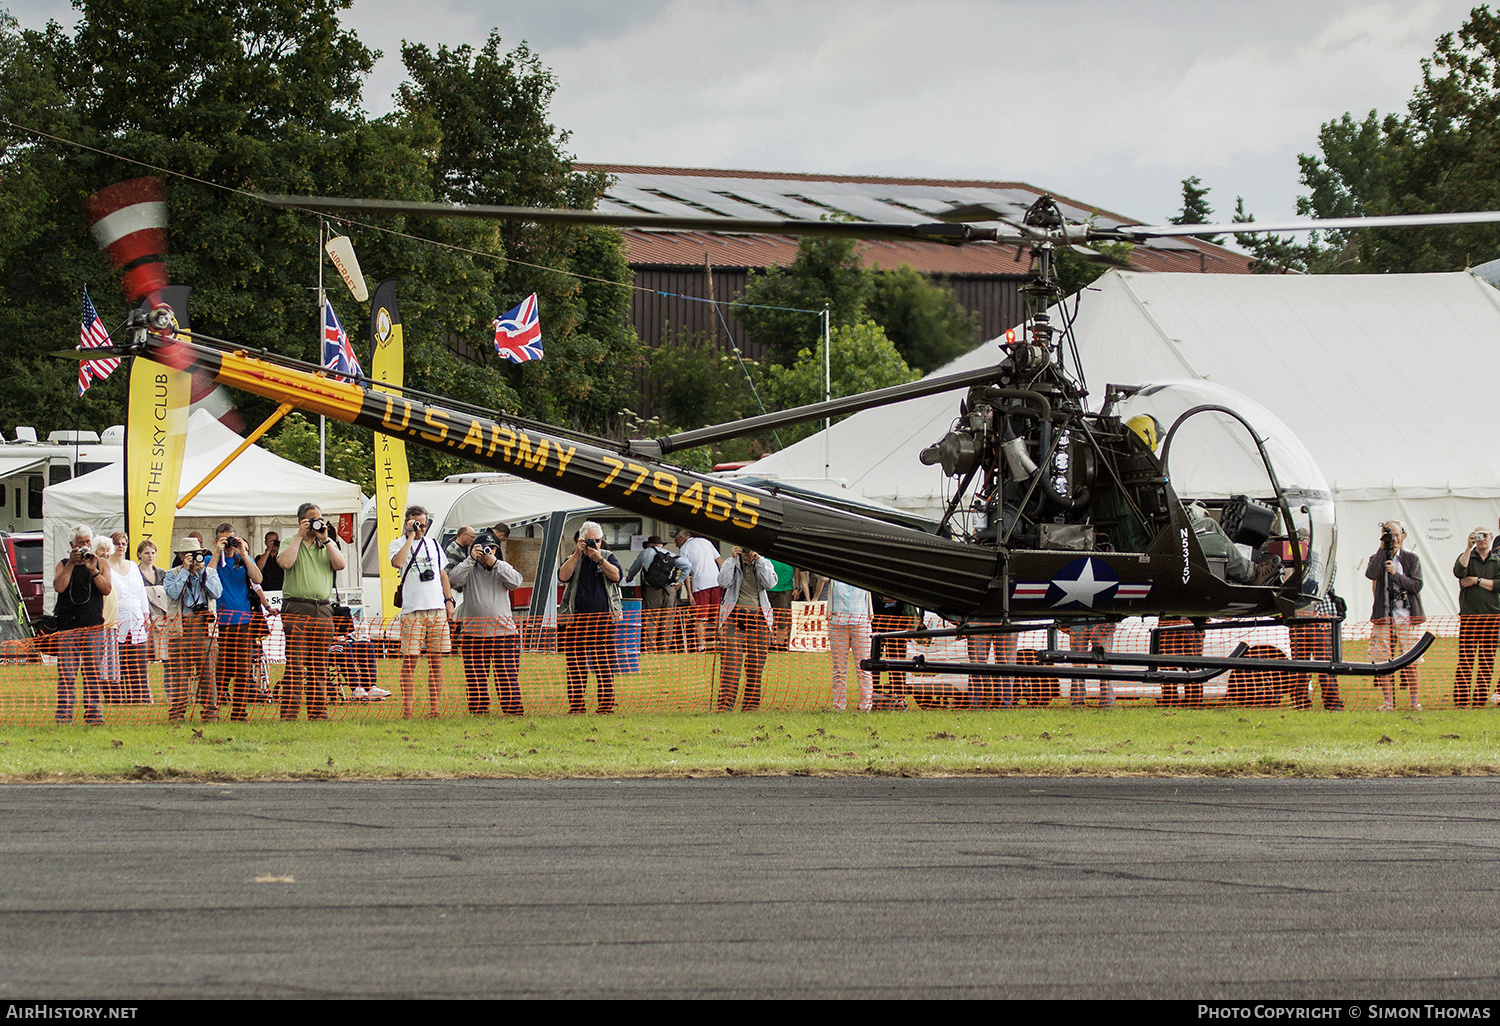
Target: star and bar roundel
(1080, 583)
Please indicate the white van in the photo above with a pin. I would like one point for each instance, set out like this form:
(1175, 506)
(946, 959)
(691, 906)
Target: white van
(28, 466)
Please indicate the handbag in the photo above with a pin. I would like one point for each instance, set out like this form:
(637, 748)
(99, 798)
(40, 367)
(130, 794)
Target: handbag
(396, 598)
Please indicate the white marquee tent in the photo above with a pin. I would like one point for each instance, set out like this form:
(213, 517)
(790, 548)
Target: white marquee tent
(1383, 377)
(258, 492)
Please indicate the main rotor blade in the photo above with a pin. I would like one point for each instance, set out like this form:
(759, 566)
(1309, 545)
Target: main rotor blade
(1132, 232)
(953, 234)
(96, 353)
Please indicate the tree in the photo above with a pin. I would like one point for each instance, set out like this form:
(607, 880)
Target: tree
(1442, 155)
(694, 382)
(348, 459)
(861, 358)
(254, 95)
(497, 146)
(921, 318)
(1273, 253)
(1195, 208)
(779, 307)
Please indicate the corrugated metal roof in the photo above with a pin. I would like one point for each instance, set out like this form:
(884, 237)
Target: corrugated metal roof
(747, 194)
(688, 249)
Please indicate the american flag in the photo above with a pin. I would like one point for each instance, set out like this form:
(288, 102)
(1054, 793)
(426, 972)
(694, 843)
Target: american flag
(338, 354)
(518, 332)
(91, 336)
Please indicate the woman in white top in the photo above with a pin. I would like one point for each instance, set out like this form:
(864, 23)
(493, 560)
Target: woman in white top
(113, 692)
(132, 615)
(156, 597)
(849, 613)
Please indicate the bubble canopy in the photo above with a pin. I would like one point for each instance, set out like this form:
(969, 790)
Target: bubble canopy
(1211, 455)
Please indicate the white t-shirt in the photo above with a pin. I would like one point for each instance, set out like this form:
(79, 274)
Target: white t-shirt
(133, 609)
(703, 555)
(417, 594)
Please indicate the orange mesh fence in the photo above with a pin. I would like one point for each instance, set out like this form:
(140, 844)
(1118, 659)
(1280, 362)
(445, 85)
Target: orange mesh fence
(674, 660)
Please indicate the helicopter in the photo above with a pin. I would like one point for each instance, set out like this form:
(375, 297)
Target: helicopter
(1059, 514)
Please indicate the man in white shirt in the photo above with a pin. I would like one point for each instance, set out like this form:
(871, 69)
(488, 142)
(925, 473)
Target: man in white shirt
(704, 557)
(426, 606)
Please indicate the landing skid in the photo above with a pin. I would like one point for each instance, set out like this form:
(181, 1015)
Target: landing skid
(1129, 667)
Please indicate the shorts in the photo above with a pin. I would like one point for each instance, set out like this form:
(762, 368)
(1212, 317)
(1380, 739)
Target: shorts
(708, 601)
(1392, 638)
(425, 630)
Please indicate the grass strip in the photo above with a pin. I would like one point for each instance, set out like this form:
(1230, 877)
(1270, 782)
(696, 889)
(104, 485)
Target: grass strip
(1141, 740)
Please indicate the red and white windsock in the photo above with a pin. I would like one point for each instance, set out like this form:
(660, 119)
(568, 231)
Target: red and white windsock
(130, 222)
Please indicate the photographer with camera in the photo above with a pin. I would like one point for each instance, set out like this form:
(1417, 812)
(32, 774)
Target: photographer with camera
(489, 636)
(237, 573)
(587, 615)
(271, 575)
(190, 586)
(426, 607)
(309, 559)
(81, 581)
(1396, 580)
(746, 625)
(1478, 573)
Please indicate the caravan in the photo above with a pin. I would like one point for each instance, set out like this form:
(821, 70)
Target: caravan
(28, 466)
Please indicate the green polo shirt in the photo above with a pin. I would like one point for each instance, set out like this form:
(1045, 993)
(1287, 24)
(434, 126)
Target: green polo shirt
(310, 576)
(783, 576)
(1476, 601)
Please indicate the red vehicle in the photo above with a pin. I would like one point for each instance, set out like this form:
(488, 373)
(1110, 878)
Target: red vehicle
(25, 553)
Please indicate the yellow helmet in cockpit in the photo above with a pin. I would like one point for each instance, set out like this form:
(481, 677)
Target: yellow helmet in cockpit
(1147, 428)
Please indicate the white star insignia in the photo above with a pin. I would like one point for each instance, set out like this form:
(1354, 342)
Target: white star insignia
(1084, 589)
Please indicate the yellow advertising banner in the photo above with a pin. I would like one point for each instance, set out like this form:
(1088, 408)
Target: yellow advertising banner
(155, 437)
(388, 366)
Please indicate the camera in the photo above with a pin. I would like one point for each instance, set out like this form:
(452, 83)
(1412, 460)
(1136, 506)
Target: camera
(488, 550)
(1387, 540)
(317, 526)
(427, 573)
(81, 555)
(415, 526)
(231, 543)
(591, 543)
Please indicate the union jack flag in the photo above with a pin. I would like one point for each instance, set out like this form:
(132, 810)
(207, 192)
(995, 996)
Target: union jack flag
(91, 336)
(338, 354)
(518, 332)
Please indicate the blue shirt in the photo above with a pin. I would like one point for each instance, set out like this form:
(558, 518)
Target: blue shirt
(234, 602)
(193, 591)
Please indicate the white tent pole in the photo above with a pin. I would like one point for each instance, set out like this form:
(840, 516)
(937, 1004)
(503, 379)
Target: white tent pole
(827, 383)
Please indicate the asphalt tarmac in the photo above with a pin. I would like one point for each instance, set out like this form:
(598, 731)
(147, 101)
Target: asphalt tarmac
(754, 887)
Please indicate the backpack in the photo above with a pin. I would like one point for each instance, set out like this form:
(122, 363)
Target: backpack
(660, 571)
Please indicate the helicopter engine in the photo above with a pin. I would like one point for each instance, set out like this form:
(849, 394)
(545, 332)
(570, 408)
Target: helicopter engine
(1038, 470)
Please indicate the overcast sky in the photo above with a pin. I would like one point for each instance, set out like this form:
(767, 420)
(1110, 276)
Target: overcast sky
(1110, 103)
